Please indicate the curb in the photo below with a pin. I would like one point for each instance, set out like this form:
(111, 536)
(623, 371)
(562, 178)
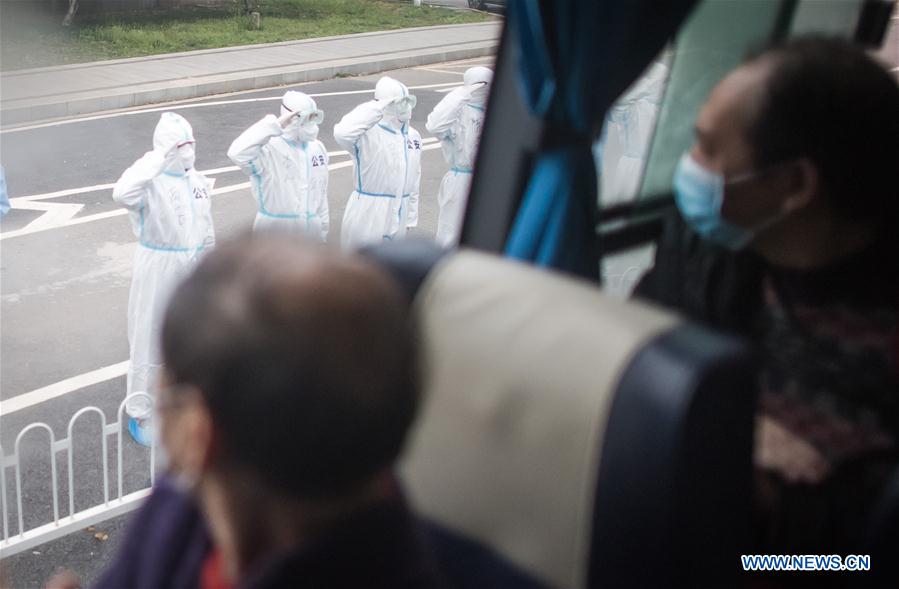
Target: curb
(31, 110)
(239, 48)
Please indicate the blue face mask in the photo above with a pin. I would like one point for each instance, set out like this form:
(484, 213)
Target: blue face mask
(699, 195)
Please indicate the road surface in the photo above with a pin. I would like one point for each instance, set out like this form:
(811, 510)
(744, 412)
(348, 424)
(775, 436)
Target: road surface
(65, 265)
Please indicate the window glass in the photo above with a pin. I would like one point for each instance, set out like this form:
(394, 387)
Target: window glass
(830, 17)
(889, 53)
(714, 40)
(623, 145)
(651, 125)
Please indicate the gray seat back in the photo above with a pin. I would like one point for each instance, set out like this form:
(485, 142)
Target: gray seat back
(582, 440)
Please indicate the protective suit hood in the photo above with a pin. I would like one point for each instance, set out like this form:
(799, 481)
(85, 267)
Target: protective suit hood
(477, 75)
(400, 102)
(174, 129)
(481, 78)
(389, 89)
(303, 128)
(307, 132)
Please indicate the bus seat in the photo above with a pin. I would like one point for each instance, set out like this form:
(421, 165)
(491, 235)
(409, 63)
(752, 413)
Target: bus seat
(567, 439)
(883, 539)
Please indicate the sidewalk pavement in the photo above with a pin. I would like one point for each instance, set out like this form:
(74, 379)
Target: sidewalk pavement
(51, 92)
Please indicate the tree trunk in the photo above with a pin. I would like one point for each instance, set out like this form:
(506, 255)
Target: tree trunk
(70, 15)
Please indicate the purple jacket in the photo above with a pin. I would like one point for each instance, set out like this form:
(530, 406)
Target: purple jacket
(167, 542)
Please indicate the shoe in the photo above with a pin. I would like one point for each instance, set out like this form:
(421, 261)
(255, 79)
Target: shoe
(140, 431)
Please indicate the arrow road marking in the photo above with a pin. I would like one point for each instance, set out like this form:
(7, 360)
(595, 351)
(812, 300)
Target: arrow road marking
(55, 214)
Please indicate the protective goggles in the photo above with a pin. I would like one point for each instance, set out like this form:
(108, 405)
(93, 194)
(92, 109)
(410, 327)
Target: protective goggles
(312, 116)
(406, 102)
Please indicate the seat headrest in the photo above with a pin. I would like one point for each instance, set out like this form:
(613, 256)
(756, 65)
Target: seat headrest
(521, 369)
(409, 261)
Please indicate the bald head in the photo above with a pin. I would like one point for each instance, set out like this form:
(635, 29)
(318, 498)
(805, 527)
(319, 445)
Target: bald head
(819, 99)
(304, 357)
(722, 127)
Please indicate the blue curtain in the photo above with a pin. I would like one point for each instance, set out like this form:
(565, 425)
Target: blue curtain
(575, 58)
(555, 225)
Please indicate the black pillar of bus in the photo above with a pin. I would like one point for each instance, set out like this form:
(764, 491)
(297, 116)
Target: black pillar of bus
(510, 138)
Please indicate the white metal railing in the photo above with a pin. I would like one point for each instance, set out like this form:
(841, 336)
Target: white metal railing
(25, 539)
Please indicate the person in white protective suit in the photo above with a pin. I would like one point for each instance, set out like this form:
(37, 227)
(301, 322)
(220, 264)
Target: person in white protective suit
(626, 137)
(288, 167)
(387, 160)
(457, 121)
(168, 203)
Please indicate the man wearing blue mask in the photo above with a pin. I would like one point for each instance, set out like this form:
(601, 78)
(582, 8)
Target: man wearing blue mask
(788, 213)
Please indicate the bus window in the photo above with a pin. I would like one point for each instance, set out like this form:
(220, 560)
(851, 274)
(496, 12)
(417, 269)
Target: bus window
(623, 144)
(889, 53)
(650, 126)
(711, 43)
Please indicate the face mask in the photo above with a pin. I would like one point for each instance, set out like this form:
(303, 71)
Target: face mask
(187, 156)
(480, 93)
(402, 108)
(699, 195)
(307, 132)
(404, 113)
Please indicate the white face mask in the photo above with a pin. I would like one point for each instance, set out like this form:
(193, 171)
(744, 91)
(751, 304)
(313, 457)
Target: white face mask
(402, 108)
(307, 132)
(480, 93)
(404, 112)
(187, 156)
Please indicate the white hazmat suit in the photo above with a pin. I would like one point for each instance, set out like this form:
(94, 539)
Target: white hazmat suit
(457, 121)
(168, 203)
(387, 166)
(627, 135)
(288, 168)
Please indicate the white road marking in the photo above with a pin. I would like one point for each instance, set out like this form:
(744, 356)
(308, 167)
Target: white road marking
(245, 185)
(55, 213)
(181, 106)
(429, 143)
(436, 71)
(77, 221)
(63, 387)
(466, 65)
(58, 194)
(469, 62)
(72, 191)
(96, 187)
